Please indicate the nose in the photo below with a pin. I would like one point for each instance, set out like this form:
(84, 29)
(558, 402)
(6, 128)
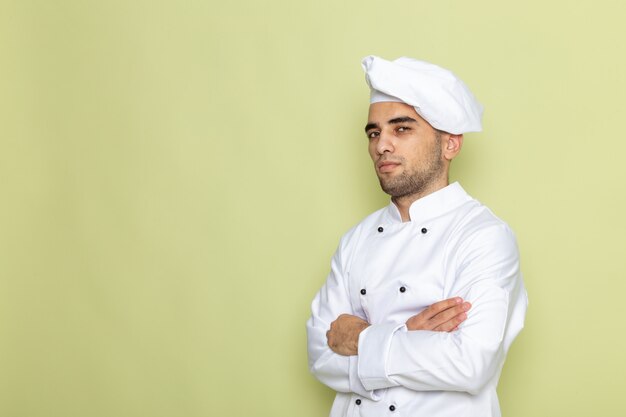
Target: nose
(385, 143)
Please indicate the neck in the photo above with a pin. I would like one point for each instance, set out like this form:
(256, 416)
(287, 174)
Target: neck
(404, 202)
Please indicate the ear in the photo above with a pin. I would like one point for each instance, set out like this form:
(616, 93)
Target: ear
(452, 146)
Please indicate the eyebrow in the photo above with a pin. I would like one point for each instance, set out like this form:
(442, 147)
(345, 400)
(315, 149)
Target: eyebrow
(370, 126)
(395, 121)
(403, 119)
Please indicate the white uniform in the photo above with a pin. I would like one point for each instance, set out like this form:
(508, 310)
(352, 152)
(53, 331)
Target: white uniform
(386, 271)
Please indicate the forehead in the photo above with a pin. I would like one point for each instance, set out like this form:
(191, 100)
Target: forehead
(384, 111)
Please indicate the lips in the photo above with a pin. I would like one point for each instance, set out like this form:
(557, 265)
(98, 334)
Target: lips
(387, 166)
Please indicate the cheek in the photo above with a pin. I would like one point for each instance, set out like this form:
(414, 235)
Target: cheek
(371, 149)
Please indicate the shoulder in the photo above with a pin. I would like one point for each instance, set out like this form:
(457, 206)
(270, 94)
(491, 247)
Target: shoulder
(482, 233)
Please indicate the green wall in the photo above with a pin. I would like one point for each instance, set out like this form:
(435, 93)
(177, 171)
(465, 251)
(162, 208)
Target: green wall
(175, 175)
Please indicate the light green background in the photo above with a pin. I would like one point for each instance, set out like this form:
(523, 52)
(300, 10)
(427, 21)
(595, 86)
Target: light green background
(175, 176)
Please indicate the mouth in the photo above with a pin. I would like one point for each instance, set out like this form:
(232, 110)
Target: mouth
(387, 166)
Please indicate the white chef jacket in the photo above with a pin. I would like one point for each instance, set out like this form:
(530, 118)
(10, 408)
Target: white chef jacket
(386, 271)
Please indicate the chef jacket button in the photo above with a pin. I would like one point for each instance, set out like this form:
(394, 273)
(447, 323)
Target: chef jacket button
(363, 291)
(424, 230)
(392, 408)
(402, 289)
(358, 402)
(380, 229)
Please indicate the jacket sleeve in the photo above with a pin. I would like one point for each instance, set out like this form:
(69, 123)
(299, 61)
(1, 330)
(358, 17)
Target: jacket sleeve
(487, 275)
(336, 371)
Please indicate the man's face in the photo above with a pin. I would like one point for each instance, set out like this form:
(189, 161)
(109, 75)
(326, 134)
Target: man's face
(406, 150)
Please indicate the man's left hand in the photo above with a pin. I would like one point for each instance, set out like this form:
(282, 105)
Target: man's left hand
(343, 336)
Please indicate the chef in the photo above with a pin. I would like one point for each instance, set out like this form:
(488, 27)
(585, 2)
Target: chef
(424, 296)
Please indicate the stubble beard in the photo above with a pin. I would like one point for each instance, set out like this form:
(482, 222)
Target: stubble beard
(417, 181)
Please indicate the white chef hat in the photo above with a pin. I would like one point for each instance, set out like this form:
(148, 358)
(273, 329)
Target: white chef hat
(437, 95)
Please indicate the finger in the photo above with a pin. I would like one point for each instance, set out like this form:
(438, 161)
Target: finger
(422, 321)
(452, 324)
(329, 338)
(449, 314)
(440, 306)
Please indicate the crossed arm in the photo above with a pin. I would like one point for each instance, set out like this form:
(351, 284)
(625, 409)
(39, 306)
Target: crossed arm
(443, 316)
(425, 353)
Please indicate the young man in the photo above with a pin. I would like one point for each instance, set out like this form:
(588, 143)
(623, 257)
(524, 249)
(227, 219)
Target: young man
(379, 333)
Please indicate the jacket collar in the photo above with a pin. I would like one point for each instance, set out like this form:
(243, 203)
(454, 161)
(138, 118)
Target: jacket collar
(433, 205)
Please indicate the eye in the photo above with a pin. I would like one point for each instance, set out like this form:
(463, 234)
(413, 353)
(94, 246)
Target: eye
(373, 134)
(402, 129)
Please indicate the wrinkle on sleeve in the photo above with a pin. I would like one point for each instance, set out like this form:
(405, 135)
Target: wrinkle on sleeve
(338, 372)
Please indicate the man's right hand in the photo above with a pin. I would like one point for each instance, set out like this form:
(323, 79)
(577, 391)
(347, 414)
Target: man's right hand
(443, 316)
